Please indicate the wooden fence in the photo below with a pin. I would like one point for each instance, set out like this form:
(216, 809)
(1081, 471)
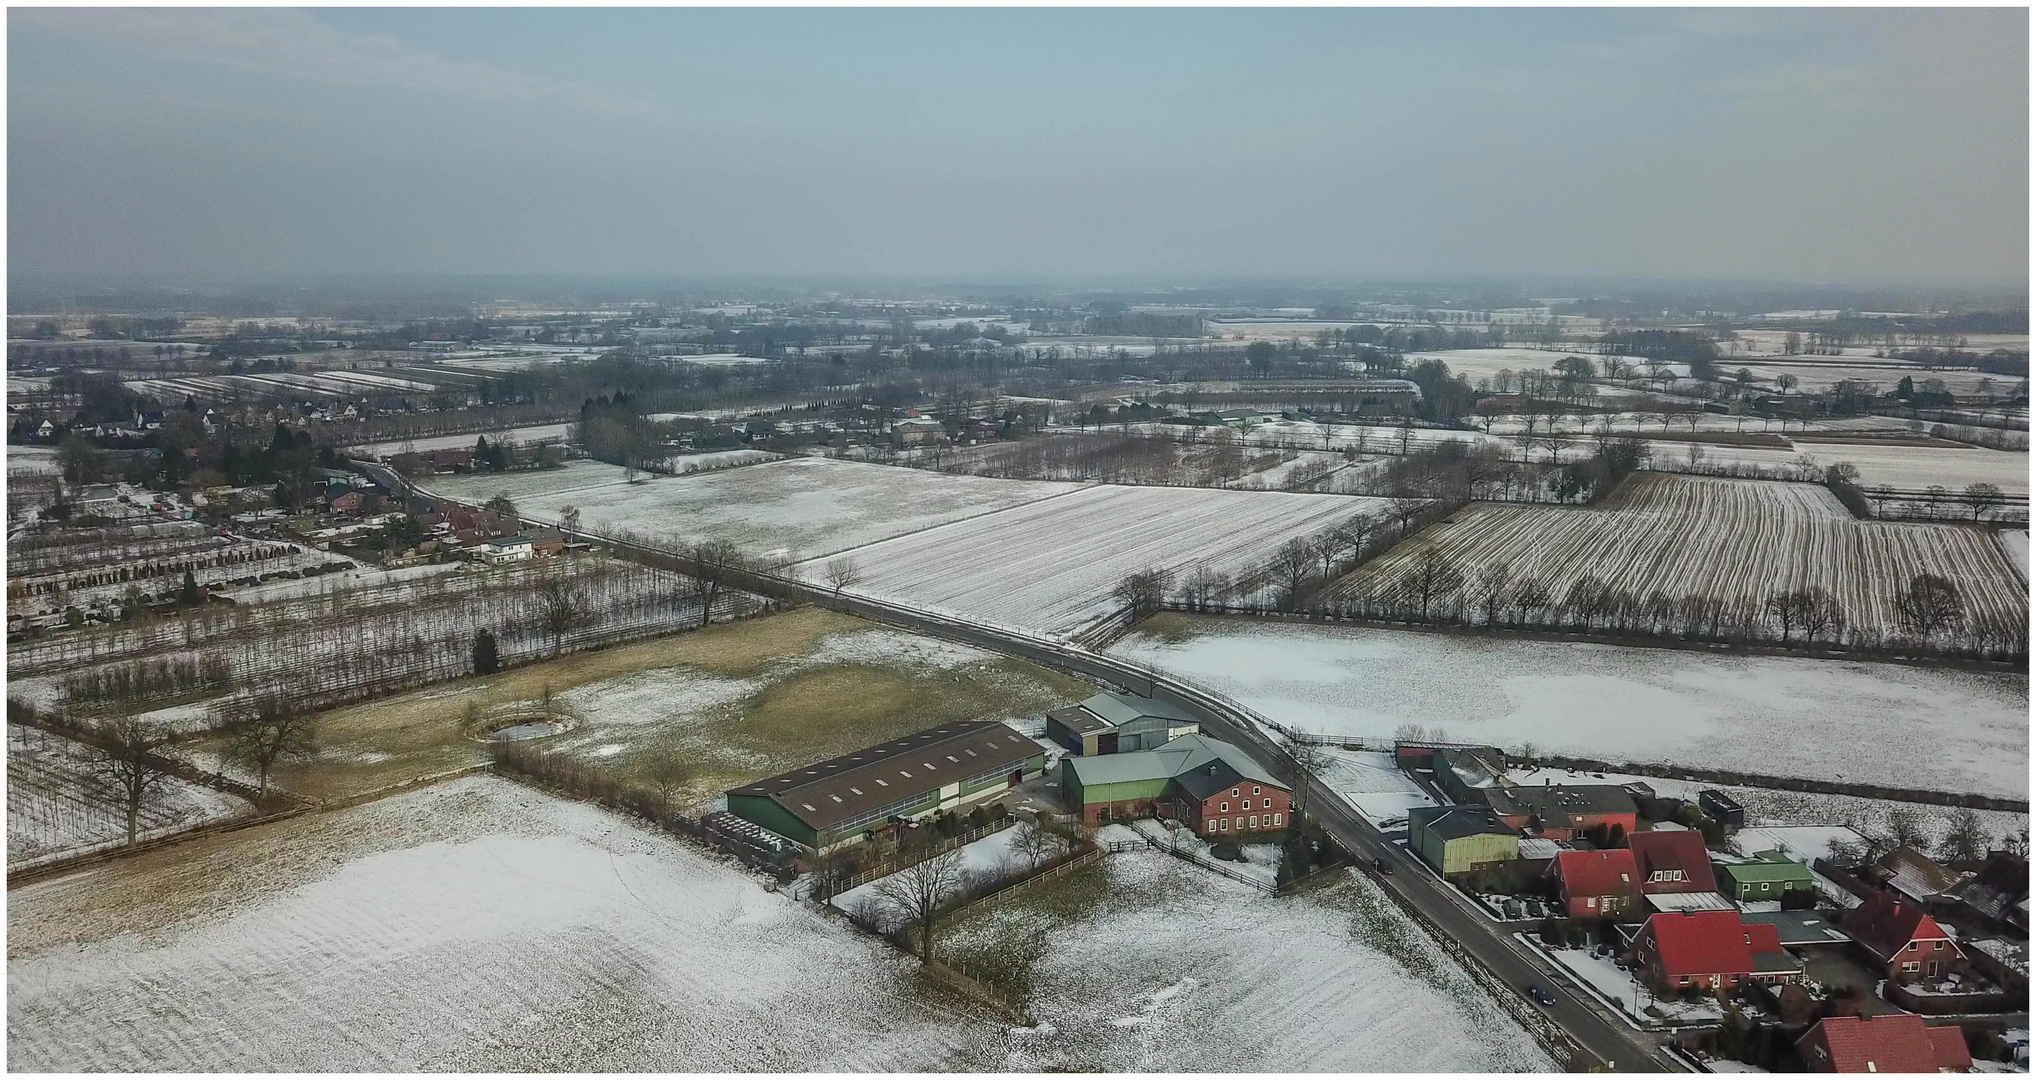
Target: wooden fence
(1052, 871)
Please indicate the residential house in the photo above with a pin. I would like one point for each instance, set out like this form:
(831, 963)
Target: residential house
(1711, 951)
(1599, 884)
(1769, 875)
(1895, 1042)
(1675, 871)
(1903, 937)
(1110, 723)
(545, 543)
(839, 801)
(1211, 785)
(507, 549)
(1562, 812)
(918, 431)
(1461, 839)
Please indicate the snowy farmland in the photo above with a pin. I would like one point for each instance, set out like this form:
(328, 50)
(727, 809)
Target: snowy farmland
(1736, 541)
(1777, 715)
(781, 511)
(473, 926)
(1051, 565)
(1159, 966)
(521, 436)
(57, 806)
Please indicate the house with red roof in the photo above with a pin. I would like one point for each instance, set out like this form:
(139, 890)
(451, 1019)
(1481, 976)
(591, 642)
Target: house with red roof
(1599, 884)
(1903, 937)
(1710, 950)
(1889, 1043)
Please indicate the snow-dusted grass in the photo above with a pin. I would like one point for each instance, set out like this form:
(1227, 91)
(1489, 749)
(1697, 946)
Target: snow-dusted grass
(35, 460)
(1156, 965)
(1737, 541)
(1051, 565)
(780, 511)
(474, 926)
(1775, 715)
(57, 806)
(983, 859)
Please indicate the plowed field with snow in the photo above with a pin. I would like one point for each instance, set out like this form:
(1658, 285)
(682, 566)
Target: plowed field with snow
(1050, 565)
(779, 512)
(1736, 540)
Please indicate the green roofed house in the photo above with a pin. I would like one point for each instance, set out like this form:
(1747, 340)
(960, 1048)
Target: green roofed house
(836, 802)
(1203, 782)
(1767, 876)
(1111, 723)
(1461, 839)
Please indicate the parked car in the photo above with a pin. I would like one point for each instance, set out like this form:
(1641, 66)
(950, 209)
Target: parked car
(1392, 823)
(1541, 996)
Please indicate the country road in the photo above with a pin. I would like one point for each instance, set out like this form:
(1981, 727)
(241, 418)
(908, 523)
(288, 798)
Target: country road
(1602, 1035)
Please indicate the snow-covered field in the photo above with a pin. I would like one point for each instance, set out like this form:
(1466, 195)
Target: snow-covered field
(1905, 468)
(518, 435)
(1051, 565)
(1176, 969)
(37, 460)
(781, 511)
(2016, 543)
(473, 926)
(1736, 541)
(1775, 715)
(57, 806)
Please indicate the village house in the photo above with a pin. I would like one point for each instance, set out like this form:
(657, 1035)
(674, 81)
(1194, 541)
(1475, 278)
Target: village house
(1213, 787)
(1916, 876)
(1711, 951)
(1903, 937)
(1675, 871)
(1599, 884)
(1888, 1043)
(1769, 875)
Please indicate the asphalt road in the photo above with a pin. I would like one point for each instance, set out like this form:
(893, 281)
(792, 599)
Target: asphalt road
(1592, 1025)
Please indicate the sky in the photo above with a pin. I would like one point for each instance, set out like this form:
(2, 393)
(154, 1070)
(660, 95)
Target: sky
(1851, 146)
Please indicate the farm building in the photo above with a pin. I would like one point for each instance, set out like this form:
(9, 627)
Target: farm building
(918, 431)
(835, 802)
(1461, 839)
(1210, 784)
(1599, 884)
(1887, 1043)
(1710, 950)
(1767, 876)
(1110, 723)
(1562, 811)
(1464, 772)
(1904, 938)
(1916, 876)
(1721, 808)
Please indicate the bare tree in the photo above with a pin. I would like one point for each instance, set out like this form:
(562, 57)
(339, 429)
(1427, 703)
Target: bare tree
(1930, 604)
(1310, 759)
(842, 572)
(918, 894)
(1906, 829)
(1965, 840)
(1981, 497)
(569, 518)
(715, 562)
(275, 727)
(561, 607)
(667, 775)
(1038, 843)
(1432, 576)
(1143, 591)
(1493, 589)
(1529, 594)
(1206, 587)
(1410, 733)
(1292, 566)
(128, 757)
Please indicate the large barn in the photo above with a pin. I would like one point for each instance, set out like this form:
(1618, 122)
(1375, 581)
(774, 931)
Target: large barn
(836, 802)
(1206, 783)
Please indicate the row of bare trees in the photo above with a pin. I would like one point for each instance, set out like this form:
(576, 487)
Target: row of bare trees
(1931, 610)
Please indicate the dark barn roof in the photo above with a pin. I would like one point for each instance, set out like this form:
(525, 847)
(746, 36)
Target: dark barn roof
(827, 793)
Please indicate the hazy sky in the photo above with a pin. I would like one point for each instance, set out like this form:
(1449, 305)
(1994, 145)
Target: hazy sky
(1878, 146)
